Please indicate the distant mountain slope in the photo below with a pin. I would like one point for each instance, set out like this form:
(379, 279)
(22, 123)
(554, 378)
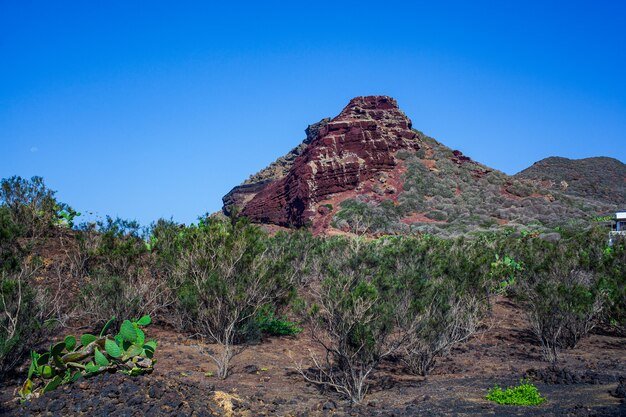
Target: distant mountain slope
(599, 178)
(368, 170)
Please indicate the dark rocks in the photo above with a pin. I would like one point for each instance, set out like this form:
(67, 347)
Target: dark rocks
(120, 395)
(312, 131)
(251, 369)
(620, 391)
(556, 376)
(329, 405)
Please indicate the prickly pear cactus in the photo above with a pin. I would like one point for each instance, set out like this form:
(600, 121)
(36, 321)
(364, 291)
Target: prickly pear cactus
(73, 358)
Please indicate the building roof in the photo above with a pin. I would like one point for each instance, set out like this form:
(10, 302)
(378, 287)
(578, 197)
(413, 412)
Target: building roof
(620, 215)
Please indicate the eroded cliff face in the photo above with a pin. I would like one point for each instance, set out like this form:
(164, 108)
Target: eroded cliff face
(356, 146)
(239, 196)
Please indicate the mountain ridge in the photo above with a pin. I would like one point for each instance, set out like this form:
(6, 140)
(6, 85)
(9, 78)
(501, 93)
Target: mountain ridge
(368, 165)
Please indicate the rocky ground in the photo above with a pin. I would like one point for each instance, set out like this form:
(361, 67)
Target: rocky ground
(589, 382)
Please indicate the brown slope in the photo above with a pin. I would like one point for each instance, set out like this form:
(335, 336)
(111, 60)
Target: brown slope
(599, 178)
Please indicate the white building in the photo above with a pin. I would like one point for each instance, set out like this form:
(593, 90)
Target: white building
(619, 226)
(620, 222)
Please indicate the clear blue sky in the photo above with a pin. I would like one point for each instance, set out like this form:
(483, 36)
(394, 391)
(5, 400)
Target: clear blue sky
(156, 109)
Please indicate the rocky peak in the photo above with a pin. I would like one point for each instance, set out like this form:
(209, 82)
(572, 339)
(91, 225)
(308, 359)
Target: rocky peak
(354, 147)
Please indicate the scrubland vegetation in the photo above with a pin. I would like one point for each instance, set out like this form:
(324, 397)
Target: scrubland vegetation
(363, 300)
(456, 198)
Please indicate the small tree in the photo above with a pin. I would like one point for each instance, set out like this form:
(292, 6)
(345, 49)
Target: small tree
(562, 305)
(353, 318)
(445, 284)
(32, 205)
(445, 319)
(223, 280)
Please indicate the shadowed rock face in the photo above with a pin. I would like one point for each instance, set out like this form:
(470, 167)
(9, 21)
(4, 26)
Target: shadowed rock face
(352, 148)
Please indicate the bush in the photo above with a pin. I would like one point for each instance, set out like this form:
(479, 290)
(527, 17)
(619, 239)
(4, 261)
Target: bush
(119, 281)
(446, 319)
(223, 277)
(446, 285)
(524, 394)
(10, 232)
(269, 323)
(352, 317)
(20, 314)
(613, 281)
(32, 205)
(563, 305)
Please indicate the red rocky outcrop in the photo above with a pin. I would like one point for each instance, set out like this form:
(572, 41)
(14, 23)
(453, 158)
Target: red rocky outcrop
(357, 145)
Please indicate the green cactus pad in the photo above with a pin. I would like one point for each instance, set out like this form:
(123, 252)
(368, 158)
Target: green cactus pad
(128, 331)
(46, 372)
(144, 321)
(132, 351)
(92, 368)
(100, 358)
(112, 349)
(53, 384)
(57, 349)
(141, 337)
(70, 343)
(43, 359)
(87, 339)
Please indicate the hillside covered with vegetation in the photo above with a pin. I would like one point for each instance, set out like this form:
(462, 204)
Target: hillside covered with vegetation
(357, 305)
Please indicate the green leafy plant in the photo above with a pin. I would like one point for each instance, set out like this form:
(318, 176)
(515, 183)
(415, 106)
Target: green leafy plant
(503, 271)
(269, 323)
(523, 394)
(66, 216)
(73, 358)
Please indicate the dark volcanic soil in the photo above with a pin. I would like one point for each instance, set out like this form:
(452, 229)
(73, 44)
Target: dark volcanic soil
(589, 382)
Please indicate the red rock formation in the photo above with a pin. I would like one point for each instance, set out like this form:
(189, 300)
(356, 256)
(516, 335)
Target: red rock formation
(355, 146)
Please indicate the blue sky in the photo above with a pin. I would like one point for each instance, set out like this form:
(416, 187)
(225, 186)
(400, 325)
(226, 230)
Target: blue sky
(157, 109)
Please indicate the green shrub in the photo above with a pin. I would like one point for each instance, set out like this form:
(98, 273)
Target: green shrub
(523, 394)
(352, 316)
(225, 272)
(561, 293)
(272, 325)
(504, 271)
(446, 283)
(10, 250)
(613, 281)
(119, 274)
(32, 205)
